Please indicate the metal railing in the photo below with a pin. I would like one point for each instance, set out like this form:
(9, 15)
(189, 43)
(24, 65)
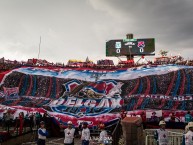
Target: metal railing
(171, 132)
(175, 138)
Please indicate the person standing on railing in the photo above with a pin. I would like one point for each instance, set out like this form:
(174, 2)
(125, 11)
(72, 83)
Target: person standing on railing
(161, 135)
(42, 134)
(85, 135)
(69, 134)
(189, 134)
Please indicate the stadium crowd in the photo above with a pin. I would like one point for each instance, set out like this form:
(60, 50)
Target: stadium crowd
(22, 121)
(42, 124)
(101, 64)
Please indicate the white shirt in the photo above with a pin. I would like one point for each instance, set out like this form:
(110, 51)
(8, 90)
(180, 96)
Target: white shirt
(85, 134)
(103, 135)
(189, 138)
(163, 137)
(41, 136)
(69, 135)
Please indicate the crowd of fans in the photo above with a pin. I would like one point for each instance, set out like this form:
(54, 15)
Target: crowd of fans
(101, 64)
(25, 101)
(169, 84)
(12, 123)
(41, 122)
(33, 85)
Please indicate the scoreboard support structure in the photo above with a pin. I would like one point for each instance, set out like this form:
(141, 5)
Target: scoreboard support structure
(130, 56)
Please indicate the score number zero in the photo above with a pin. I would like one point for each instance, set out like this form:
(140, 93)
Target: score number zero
(118, 50)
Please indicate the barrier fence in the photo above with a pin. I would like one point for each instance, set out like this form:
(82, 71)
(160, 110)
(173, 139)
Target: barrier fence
(175, 138)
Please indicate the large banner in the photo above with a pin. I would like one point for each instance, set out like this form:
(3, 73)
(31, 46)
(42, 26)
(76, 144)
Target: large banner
(84, 98)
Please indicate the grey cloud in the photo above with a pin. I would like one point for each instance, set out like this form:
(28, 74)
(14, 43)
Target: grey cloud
(167, 21)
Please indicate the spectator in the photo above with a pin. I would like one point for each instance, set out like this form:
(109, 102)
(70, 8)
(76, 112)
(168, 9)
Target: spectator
(143, 117)
(161, 135)
(34, 120)
(21, 122)
(31, 120)
(42, 133)
(154, 118)
(27, 116)
(3, 120)
(186, 131)
(188, 117)
(80, 128)
(172, 117)
(85, 135)
(103, 134)
(45, 118)
(61, 128)
(8, 119)
(38, 119)
(40, 116)
(189, 135)
(123, 114)
(69, 134)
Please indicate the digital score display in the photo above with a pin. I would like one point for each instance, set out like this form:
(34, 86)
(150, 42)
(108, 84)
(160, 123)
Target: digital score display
(125, 47)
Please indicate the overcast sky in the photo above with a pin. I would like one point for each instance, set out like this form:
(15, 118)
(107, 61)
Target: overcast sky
(75, 29)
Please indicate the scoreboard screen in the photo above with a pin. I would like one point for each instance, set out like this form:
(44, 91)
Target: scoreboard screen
(124, 47)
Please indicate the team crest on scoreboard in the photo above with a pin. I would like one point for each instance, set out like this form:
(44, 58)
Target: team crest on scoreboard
(118, 45)
(141, 44)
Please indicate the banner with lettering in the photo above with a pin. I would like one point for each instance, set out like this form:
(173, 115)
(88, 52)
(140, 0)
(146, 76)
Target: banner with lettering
(159, 96)
(138, 102)
(79, 107)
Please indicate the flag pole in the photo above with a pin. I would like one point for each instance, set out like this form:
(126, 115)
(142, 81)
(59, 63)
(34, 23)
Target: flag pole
(39, 48)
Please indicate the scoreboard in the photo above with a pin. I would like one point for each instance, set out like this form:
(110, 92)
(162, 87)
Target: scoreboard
(125, 47)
